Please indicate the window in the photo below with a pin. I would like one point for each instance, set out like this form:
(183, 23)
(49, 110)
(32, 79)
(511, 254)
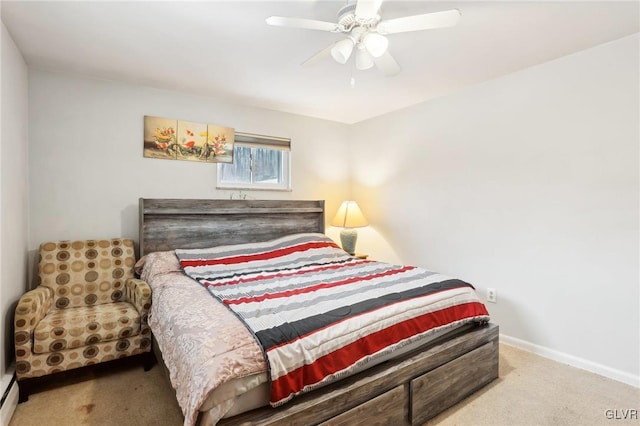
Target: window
(259, 162)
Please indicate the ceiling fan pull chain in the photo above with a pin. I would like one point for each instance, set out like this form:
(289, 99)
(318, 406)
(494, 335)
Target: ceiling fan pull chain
(352, 80)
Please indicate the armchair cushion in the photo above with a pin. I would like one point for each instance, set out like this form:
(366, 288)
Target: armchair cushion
(86, 273)
(85, 326)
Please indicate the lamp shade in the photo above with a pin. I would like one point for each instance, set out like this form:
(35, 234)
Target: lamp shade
(364, 61)
(341, 51)
(376, 44)
(349, 216)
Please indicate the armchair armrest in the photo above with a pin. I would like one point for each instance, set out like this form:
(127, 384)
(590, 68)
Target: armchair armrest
(31, 308)
(138, 293)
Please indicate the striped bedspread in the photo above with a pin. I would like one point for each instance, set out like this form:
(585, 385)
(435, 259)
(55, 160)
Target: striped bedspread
(319, 313)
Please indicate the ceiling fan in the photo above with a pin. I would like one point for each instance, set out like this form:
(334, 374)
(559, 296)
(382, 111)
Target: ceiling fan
(366, 33)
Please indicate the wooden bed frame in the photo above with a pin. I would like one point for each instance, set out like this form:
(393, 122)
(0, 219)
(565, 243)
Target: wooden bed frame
(404, 391)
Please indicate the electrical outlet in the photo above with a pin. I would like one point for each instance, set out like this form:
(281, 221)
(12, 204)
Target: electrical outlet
(492, 295)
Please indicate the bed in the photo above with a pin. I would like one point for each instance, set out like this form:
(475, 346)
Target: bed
(409, 386)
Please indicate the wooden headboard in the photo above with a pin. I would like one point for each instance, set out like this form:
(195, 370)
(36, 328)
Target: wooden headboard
(167, 224)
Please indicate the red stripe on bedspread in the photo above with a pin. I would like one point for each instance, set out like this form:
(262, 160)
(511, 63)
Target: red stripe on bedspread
(317, 287)
(258, 256)
(284, 274)
(287, 386)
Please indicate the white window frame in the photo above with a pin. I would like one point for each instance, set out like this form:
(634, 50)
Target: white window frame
(259, 141)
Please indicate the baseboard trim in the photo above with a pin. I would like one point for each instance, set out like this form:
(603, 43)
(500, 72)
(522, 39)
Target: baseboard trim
(574, 361)
(9, 398)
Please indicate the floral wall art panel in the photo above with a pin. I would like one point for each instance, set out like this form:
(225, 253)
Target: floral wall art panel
(219, 148)
(160, 137)
(192, 141)
(187, 140)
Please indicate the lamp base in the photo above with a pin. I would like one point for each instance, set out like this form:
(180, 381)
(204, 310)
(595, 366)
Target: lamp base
(348, 237)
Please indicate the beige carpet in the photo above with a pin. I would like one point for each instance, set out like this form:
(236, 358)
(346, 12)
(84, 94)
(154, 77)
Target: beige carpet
(531, 390)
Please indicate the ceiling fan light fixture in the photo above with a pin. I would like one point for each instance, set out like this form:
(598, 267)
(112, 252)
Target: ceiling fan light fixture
(376, 44)
(342, 50)
(361, 23)
(364, 61)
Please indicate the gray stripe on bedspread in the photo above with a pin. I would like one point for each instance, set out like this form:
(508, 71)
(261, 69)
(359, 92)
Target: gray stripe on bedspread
(340, 295)
(226, 251)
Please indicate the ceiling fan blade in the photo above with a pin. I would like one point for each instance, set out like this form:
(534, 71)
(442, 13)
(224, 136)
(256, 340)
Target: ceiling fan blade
(446, 18)
(367, 10)
(307, 24)
(324, 53)
(387, 65)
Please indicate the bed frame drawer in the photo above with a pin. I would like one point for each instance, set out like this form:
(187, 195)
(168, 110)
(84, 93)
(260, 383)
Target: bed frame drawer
(340, 403)
(442, 387)
(386, 409)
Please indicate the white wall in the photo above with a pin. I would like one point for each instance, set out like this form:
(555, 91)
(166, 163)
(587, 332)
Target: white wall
(13, 192)
(528, 184)
(86, 165)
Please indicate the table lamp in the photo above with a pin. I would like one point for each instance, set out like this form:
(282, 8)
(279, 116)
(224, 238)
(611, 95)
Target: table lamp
(349, 217)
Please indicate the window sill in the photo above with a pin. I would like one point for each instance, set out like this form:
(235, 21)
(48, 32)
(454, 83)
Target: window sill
(255, 188)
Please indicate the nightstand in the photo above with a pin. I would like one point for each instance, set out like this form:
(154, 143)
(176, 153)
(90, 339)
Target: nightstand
(361, 255)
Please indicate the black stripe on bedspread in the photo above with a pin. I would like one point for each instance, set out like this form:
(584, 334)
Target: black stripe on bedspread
(288, 332)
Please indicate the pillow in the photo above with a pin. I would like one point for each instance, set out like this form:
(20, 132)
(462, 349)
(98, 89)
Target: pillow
(157, 263)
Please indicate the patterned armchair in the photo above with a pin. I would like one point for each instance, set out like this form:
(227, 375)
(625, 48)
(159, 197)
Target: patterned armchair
(88, 308)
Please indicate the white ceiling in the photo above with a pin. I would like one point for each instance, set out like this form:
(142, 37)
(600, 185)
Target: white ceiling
(224, 49)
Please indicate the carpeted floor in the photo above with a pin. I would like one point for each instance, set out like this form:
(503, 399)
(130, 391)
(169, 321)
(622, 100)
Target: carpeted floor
(531, 390)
